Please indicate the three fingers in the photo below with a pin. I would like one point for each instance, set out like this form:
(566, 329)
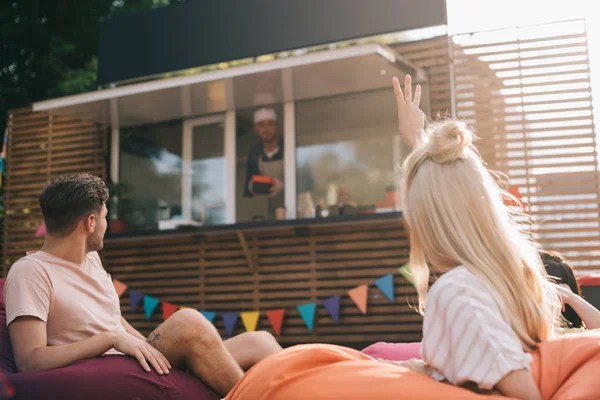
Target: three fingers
(407, 96)
(156, 359)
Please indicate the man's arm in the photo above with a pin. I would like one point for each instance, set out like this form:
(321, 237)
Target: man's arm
(251, 170)
(28, 338)
(131, 330)
(32, 353)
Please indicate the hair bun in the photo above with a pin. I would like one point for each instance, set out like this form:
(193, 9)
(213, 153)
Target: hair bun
(448, 141)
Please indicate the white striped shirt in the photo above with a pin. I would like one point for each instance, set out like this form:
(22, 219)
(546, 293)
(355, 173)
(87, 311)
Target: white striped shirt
(466, 337)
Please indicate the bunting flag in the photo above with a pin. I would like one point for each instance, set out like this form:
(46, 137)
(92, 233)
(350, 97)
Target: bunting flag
(250, 320)
(150, 304)
(209, 315)
(359, 297)
(332, 304)
(516, 200)
(134, 299)
(41, 230)
(307, 312)
(386, 285)
(168, 309)
(230, 319)
(407, 274)
(276, 319)
(120, 287)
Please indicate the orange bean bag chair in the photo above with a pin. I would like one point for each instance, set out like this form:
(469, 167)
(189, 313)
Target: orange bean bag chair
(565, 368)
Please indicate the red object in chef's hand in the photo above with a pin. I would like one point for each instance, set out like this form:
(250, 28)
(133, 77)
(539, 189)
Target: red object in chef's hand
(262, 184)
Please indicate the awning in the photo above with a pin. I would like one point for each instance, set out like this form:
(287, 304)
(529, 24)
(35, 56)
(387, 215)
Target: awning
(297, 78)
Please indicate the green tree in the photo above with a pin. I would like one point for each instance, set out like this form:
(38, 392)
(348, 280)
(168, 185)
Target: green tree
(48, 47)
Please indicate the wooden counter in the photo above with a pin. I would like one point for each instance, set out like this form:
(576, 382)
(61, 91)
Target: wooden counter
(287, 263)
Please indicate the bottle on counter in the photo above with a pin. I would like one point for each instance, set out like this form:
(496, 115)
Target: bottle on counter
(332, 195)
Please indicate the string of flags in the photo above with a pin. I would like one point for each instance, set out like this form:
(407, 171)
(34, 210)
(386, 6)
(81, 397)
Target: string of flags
(307, 311)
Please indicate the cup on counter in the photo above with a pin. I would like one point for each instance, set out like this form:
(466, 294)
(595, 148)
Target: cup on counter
(280, 213)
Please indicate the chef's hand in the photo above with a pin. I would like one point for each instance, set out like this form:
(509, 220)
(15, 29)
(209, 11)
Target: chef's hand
(276, 188)
(410, 118)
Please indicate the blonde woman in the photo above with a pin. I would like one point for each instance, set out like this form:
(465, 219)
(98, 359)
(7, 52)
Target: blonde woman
(492, 304)
(484, 316)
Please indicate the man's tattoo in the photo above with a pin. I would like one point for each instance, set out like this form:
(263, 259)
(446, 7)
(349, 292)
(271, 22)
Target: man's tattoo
(153, 339)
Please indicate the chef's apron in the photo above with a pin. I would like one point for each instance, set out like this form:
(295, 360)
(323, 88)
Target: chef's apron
(274, 169)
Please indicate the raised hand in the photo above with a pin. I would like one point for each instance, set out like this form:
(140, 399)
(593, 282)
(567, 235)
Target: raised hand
(565, 293)
(143, 352)
(411, 119)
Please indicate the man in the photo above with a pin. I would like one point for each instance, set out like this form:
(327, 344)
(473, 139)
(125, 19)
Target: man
(266, 158)
(62, 307)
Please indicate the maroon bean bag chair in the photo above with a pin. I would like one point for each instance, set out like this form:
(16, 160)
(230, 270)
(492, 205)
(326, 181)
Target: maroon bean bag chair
(110, 377)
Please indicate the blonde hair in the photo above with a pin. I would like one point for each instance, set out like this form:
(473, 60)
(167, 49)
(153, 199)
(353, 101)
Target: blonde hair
(456, 216)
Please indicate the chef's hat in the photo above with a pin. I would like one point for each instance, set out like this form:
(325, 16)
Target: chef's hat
(264, 114)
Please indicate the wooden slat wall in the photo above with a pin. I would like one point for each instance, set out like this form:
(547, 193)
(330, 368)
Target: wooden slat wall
(433, 56)
(293, 267)
(41, 147)
(527, 93)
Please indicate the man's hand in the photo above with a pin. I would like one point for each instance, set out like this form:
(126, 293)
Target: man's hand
(132, 346)
(411, 119)
(276, 188)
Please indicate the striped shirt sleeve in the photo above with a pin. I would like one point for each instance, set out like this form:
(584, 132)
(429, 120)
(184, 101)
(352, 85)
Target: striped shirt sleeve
(466, 337)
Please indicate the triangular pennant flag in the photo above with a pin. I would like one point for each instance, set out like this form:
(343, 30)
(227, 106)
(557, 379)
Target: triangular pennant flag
(359, 297)
(307, 312)
(183, 307)
(332, 304)
(134, 299)
(168, 310)
(516, 200)
(276, 318)
(386, 285)
(150, 304)
(41, 230)
(407, 274)
(250, 320)
(120, 287)
(209, 315)
(230, 319)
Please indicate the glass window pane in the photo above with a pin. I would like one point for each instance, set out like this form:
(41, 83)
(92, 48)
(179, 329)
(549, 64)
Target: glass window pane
(150, 170)
(208, 174)
(347, 151)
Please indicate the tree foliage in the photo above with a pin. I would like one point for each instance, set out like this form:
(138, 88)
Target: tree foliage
(48, 47)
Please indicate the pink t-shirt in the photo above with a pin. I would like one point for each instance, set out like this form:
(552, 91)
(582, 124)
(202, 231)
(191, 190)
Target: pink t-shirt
(76, 301)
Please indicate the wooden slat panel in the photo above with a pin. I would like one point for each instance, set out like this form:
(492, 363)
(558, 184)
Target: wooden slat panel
(541, 145)
(291, 270)
(41, 147)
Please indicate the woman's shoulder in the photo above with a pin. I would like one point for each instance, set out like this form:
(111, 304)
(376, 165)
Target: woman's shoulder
(459, 286)
(459, 277)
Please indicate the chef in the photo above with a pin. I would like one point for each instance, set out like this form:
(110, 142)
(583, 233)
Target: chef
(266, 159)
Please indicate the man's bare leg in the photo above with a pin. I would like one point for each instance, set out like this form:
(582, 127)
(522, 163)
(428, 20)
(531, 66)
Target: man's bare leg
(189, 340)
(251, 347)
